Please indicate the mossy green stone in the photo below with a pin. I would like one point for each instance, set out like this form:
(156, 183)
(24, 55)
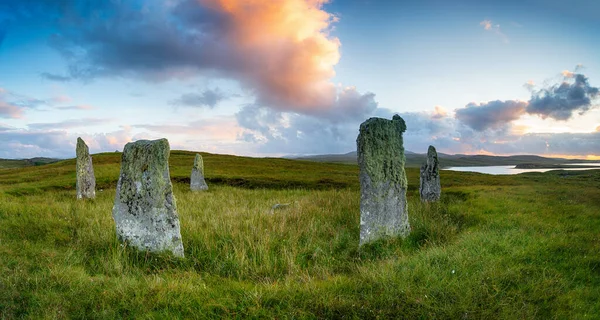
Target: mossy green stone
(383, 206)
(86, 181)
(197, 182)
(145, 210)
(199, 164)
(381, 145)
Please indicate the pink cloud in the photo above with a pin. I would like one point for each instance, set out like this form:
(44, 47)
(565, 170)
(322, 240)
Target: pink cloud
(495, 28)
(289, 55)
(8, 110)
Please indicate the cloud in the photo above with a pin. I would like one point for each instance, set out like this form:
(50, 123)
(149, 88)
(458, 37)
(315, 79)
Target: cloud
(215, 129)
(529, 85)
(487, 24)
(281, 51)
(75, 107)
(572, 144)
(55, 77)
(495, 28)
(556, 101)
(7, 109)
(208, 98)
(439, 112)
(27, 143)
(276, 132)
(69, 124)
(13, 104)
(61, 99)
(560, 101)
(490, 115)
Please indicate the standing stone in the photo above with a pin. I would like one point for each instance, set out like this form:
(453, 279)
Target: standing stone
(145, 210)
(430, 187)
(86, 181)
(383, 206)
(197, 182)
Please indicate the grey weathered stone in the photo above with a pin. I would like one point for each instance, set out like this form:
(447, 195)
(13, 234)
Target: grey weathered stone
(145, 211)
(430, 187)
(383, 206)
(86, 181)
(197, 182)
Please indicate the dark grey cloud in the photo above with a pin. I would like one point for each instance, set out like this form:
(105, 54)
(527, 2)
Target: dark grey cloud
(208, 98)
(558, 101)
(492, 114)
(561, 101)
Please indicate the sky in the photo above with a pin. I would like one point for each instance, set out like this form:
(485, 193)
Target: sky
(297, 77)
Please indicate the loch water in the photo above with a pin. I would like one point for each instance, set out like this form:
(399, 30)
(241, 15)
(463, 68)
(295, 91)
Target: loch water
(511, 169)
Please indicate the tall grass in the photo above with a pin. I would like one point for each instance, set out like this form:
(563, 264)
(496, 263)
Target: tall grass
(498, 247)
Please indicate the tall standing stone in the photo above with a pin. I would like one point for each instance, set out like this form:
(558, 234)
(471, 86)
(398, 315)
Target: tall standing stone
(145, 211)
(86, 181)
(197, 182)
(383, 206)
(430, 187)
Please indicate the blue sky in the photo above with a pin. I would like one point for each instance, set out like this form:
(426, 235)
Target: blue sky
(266, 78)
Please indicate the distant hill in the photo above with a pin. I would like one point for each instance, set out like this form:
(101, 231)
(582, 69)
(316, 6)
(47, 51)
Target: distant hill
(20, 163)
(453, 160)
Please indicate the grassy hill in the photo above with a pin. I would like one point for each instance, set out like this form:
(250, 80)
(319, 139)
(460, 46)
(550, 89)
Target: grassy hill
(523, 246)
(20, 163)
(414, 160)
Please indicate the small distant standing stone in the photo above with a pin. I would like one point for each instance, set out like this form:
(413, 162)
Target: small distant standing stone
(145, 211)
(430, 187)
(383, 206)
(197, 182)
(86, 181)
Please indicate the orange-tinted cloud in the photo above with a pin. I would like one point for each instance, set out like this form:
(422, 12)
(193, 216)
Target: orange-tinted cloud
(282, 52)
(290, 56)
(439, 112)
(489, 26)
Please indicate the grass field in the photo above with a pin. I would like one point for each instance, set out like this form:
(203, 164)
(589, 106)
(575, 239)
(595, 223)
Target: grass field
(496, 247)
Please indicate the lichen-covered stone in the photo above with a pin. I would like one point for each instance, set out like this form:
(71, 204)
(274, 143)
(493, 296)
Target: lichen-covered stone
(86, 181)
(430, 188)
(383, 206)
(145, 211)
(197, 182)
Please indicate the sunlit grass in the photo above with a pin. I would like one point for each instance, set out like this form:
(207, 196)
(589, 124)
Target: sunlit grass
(495, 247)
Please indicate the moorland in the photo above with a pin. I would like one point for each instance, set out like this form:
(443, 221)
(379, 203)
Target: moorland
(498, 247)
